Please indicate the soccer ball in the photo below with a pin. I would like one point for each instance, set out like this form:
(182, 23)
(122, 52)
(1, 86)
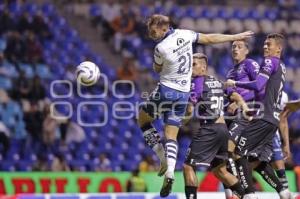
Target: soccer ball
(87, 73)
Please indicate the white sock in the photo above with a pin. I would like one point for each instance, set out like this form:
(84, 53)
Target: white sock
(171, 154)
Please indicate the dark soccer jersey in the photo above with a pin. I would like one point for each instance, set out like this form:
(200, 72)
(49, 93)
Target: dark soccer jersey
(273, 69)
(207, 96)
(247, 70)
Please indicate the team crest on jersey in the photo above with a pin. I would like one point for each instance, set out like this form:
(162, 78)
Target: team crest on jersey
(240, 69)
(180, 41)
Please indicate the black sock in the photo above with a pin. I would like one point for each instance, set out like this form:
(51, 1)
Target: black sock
(238, 190)
(267, 172)
(282, 178)
(231, 168)
(245, 175)
(150, 134)
(190, 192)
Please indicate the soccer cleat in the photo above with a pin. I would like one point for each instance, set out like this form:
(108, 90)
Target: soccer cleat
(285, 194)
(228, 193)
(163, 167)
(233, 197)
(167, 187)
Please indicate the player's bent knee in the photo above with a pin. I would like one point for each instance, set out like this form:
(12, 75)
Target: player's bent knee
(231, 146)
(220, 171)
(171, 131)
(278, 164)
(190, 177)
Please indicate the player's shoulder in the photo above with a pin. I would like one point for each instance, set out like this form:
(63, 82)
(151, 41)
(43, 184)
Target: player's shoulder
(159, 48)
(250, 61)
(271, 60)
(211, 78)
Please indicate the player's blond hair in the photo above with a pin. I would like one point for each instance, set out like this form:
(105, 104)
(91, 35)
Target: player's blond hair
(158, 20)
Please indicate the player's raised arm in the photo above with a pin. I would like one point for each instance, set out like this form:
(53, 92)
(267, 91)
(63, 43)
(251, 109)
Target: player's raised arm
(220, 38)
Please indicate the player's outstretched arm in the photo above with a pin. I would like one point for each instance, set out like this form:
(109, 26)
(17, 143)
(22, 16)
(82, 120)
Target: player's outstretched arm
(221, 38)
(238, 99)
(256, 85)
(293, 106)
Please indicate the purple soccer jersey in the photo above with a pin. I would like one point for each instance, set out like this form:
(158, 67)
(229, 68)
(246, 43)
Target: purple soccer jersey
(271, 79)
(245, 71)
(208, 92)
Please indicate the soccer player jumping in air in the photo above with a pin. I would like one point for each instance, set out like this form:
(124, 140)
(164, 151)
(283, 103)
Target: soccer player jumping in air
(173, 61)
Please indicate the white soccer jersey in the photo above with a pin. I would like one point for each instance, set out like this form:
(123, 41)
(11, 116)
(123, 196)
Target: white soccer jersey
(284, 99)
(175, 54)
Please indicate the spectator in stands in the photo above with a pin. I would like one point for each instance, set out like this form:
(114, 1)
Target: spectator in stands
(6, 21)
(15, 49)
(147, 164)
(4, 137)
(110, 10)
(123, 26)
(136, 183)
(72, 132)
(104, 163)
(21, 87)
(41, 163)
(50, 126)
(37, 90)
(128, 70)
(23, 23)
(259, 39)
(288, 9)
(1, 60)
(34, 53)
(33, 123)
(59, 163)
(40, 27)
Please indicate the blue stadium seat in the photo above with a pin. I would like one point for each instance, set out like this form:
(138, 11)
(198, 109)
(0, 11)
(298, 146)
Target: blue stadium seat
(271, 14)
(2, 44)
(79, 165)
(95, 10)
(190, 11)
(48, 9)
(239, 13)
(28, 69)
(43, 71)
(5, 83)
(7, 166)
(24, 166)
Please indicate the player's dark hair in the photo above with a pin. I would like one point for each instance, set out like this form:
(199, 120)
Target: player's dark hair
(279, 38)
(158, 20)
(245, 42)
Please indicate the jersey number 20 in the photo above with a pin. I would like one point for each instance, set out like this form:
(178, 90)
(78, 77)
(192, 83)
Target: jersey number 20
(218, 103)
